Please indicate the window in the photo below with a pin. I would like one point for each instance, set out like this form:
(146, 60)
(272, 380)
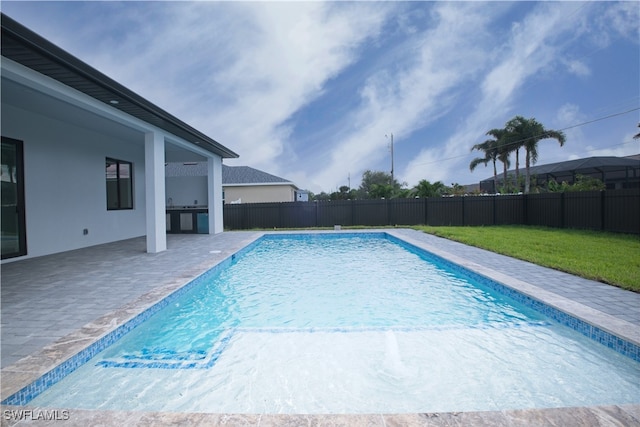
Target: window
(14, 237)
(119, 184)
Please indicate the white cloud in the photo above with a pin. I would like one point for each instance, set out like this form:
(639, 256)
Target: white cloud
(418, 94)
(624, 18)
(578, 68)
(627, 148)
(284, 60)
(568, 115)
(528, 50)
(238, 71)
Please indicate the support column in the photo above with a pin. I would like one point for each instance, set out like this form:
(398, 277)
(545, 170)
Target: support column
(214, 188)
(155, 192)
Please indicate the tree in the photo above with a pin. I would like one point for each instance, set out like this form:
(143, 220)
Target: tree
(381, 191)
(513, 140)
(371, 178)
(406, 193)
(427, 189)
(322, 196)
(503, 149)
(456, 189)
(491, 149)
(527, 133)
(343, 193)
(582, 183)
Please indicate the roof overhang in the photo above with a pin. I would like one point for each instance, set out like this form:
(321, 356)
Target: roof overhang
(261, 184)
(27, 48)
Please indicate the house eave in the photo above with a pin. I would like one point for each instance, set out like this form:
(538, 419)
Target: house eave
(261, 184)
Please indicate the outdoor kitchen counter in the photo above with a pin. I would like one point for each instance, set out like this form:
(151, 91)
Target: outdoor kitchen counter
(187, 219)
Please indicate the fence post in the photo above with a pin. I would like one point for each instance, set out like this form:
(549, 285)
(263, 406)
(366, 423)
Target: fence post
(494, 210)
(603, 205)
(426, 214)
(562, 209)
(245, 216)
(351, 205)
(463, 203)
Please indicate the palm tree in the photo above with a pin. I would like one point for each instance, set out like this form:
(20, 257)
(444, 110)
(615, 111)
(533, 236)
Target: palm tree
(490, 149)
(527, 133)
(503, 152)
(514, 141)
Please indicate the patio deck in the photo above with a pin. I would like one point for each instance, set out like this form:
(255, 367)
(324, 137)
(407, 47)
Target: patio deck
(53, 306)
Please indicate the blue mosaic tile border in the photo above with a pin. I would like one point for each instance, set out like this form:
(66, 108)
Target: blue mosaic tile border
(170, 360)
(593, 332)
(362, 329)
(327, 235)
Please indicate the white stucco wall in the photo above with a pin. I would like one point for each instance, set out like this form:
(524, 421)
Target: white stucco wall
(65, 187)
(185, 190)
(214, 170)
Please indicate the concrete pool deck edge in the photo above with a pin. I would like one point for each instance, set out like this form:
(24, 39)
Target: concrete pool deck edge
(29, 369)
(612, 415)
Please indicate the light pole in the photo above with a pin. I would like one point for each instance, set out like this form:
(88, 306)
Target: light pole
(392, 180)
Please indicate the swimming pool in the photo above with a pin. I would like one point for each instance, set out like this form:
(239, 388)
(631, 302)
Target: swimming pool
(303, 352)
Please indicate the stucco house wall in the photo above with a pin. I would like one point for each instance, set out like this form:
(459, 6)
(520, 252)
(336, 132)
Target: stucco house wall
(259, 193)
(186, 190)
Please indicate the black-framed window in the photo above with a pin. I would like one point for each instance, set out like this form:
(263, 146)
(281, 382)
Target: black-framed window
(13, 227)
(119, 175)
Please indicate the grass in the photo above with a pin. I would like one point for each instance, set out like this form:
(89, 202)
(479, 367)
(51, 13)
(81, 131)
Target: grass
(606, 257)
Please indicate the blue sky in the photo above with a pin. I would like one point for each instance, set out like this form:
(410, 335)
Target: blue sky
(308, 90)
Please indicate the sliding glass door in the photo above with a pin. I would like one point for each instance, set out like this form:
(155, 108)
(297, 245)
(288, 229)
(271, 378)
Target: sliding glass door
(14, 237)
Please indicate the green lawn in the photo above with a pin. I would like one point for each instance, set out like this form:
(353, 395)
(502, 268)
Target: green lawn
(605, 257)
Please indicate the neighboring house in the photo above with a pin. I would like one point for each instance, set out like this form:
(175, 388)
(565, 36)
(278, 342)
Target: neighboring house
(241, 184)
(615, 172)
(83, 157)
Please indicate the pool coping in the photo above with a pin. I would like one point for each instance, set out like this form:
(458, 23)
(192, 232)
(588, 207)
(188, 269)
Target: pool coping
(29, 369)
(610, 415)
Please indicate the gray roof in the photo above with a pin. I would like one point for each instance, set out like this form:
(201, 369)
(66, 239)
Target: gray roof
(231, 175)
(587, 165)
(185, 169)
(247, 175)
(35, 52)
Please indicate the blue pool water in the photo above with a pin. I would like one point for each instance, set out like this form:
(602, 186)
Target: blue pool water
(346, 324)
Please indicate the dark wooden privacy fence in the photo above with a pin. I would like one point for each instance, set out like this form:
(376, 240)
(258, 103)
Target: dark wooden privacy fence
(611, 210)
